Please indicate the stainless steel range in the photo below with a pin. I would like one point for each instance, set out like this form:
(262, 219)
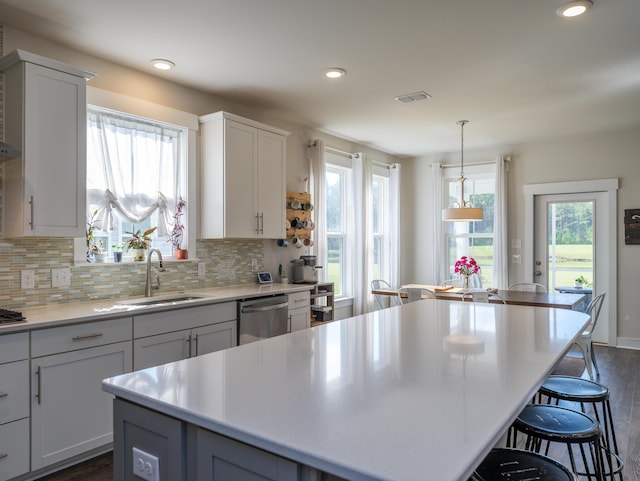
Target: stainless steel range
(10, 317)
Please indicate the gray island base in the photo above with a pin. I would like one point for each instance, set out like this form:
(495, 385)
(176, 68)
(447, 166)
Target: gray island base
(415, 392)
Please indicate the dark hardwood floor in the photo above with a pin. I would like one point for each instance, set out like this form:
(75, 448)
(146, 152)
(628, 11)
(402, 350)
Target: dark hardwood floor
(619, 371)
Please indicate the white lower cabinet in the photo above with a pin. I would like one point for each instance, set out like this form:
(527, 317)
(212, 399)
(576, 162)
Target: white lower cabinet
(174, 346)
(14, 405)
(14, 449)
(70, 413)
(173, 335)
(299, 313)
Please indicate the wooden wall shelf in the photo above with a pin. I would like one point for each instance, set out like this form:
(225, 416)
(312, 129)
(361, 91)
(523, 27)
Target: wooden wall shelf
(303, 215)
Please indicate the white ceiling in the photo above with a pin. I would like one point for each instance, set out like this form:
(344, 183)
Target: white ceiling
(513, 68)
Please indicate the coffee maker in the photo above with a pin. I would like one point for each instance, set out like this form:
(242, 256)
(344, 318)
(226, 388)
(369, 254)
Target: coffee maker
(305, 270)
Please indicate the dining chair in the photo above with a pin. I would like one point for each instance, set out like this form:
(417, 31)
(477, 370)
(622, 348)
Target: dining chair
(585, 340)
(411, 294)
(482, 296)
(527, 287)
(383, 301)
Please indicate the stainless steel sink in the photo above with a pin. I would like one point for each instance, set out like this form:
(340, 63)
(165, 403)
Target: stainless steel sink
(160, 301)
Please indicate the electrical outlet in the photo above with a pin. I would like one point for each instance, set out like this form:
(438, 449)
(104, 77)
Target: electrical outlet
(61, 277)
(254, 265)
(145, 465)
(27, 279)
(201, 270)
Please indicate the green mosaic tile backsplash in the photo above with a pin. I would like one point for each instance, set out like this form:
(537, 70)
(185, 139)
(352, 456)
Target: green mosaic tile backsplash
(227, 262)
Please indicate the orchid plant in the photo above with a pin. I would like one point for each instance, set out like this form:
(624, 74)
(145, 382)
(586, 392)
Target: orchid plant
(466, 266)
(177, 233)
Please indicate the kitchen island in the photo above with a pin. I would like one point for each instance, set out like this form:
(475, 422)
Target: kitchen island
(415, 392)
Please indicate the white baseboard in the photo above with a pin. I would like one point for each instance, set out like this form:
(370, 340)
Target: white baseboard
(628, 343)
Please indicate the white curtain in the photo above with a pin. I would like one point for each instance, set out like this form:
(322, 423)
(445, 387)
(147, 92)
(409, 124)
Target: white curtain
(363, 268)
(131, 169)
(500, 247)
(394, 225)
(317, 182)
(437, 252)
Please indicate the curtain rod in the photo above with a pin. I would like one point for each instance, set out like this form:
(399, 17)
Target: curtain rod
(481, 162)
(312, 143)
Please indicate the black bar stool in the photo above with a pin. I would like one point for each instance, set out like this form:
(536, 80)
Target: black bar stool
(585, 392)
(519, 465)
(544, 422)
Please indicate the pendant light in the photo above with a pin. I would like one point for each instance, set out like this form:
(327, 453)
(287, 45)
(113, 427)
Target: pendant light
(465, 211)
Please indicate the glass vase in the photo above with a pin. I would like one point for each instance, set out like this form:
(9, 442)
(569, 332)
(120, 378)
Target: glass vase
(465, 282)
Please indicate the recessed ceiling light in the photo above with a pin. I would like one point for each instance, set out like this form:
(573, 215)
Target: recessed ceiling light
(335, 72)
(162, 64)
(575, 8)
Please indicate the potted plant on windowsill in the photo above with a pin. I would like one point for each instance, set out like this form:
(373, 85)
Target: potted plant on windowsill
(99, 254)
(139, 242)
(117, 252)
(177, 233)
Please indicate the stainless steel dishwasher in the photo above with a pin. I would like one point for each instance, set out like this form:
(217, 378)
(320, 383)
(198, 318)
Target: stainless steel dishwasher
(262, 317)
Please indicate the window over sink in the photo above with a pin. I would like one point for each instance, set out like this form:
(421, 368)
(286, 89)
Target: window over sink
(136, 172)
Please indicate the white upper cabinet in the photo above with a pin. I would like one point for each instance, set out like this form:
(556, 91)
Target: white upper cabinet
(243, 181)
(45, 116)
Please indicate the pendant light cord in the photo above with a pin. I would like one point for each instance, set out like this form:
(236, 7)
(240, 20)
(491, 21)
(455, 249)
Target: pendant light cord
(461, 123)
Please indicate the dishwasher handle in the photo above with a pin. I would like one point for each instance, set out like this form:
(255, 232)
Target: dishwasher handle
(269, 307)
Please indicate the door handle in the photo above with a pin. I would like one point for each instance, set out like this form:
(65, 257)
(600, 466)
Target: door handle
(39, 385)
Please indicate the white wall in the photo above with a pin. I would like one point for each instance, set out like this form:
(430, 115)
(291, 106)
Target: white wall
(587, 157)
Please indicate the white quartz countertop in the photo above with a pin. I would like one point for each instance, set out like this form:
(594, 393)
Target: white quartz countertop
(415, 392)
(94, 310)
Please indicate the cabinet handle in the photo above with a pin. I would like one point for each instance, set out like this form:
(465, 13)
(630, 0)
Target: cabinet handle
(31, 212)
(195, 345)
(261, 222)
(289, 326)
(299, 300)
(258, 223)
(3, 455)
(87, 336)
(3, 394)
(39, 385)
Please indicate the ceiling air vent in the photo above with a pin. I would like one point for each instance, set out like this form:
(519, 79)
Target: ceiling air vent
(414, 97)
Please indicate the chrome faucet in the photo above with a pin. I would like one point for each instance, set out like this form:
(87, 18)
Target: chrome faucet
(149, 286)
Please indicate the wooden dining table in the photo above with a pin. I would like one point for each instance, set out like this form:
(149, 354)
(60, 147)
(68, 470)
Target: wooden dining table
(556, 300)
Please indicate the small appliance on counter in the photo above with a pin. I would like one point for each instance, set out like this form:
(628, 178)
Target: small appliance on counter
(305, 270)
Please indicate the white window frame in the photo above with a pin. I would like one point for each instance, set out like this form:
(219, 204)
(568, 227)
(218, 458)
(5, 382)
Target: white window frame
(382, 174)
(140, 108)
(472, 173)
(342, 165)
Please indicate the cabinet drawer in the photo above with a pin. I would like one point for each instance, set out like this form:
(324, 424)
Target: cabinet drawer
(14, 449)
(79, 336)
(14, 391)
(299, 299)
(178, 319)
(14, 347)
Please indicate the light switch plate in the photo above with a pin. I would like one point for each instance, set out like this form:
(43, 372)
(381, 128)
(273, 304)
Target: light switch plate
(27, 279)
